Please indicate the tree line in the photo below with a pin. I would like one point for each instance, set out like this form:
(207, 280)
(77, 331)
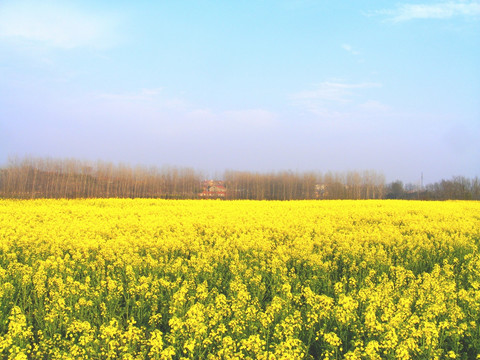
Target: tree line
(288, 185)
(31, 178)
(457, 188)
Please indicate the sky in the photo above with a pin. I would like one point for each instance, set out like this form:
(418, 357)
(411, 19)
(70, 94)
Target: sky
(258, 85)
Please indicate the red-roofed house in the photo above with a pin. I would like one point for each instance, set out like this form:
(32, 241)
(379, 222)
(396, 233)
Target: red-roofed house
(213, 189)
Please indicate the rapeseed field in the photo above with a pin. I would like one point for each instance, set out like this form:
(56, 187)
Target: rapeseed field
(159, 279)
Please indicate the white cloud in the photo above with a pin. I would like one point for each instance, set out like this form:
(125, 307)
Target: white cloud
(335, 100)
(142, 95)
(332, 91)
(237, 120)
(374, 106)
(201, 114)
(55, 24)
(153, 100)
(350, 49)
(250, 117)
(441, 10)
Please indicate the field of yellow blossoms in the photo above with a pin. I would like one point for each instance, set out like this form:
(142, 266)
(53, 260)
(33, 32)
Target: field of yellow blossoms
(160, 279)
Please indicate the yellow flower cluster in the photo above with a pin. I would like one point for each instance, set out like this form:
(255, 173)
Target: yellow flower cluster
(159, 279)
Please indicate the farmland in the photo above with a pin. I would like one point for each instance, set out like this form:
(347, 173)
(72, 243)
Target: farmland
(191, 279)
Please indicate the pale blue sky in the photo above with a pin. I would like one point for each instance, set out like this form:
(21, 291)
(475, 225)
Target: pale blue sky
(246, 85)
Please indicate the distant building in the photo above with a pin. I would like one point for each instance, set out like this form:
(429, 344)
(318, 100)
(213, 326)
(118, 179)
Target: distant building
(213, 189)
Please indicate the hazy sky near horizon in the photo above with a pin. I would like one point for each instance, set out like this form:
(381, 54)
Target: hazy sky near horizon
(247, 85)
